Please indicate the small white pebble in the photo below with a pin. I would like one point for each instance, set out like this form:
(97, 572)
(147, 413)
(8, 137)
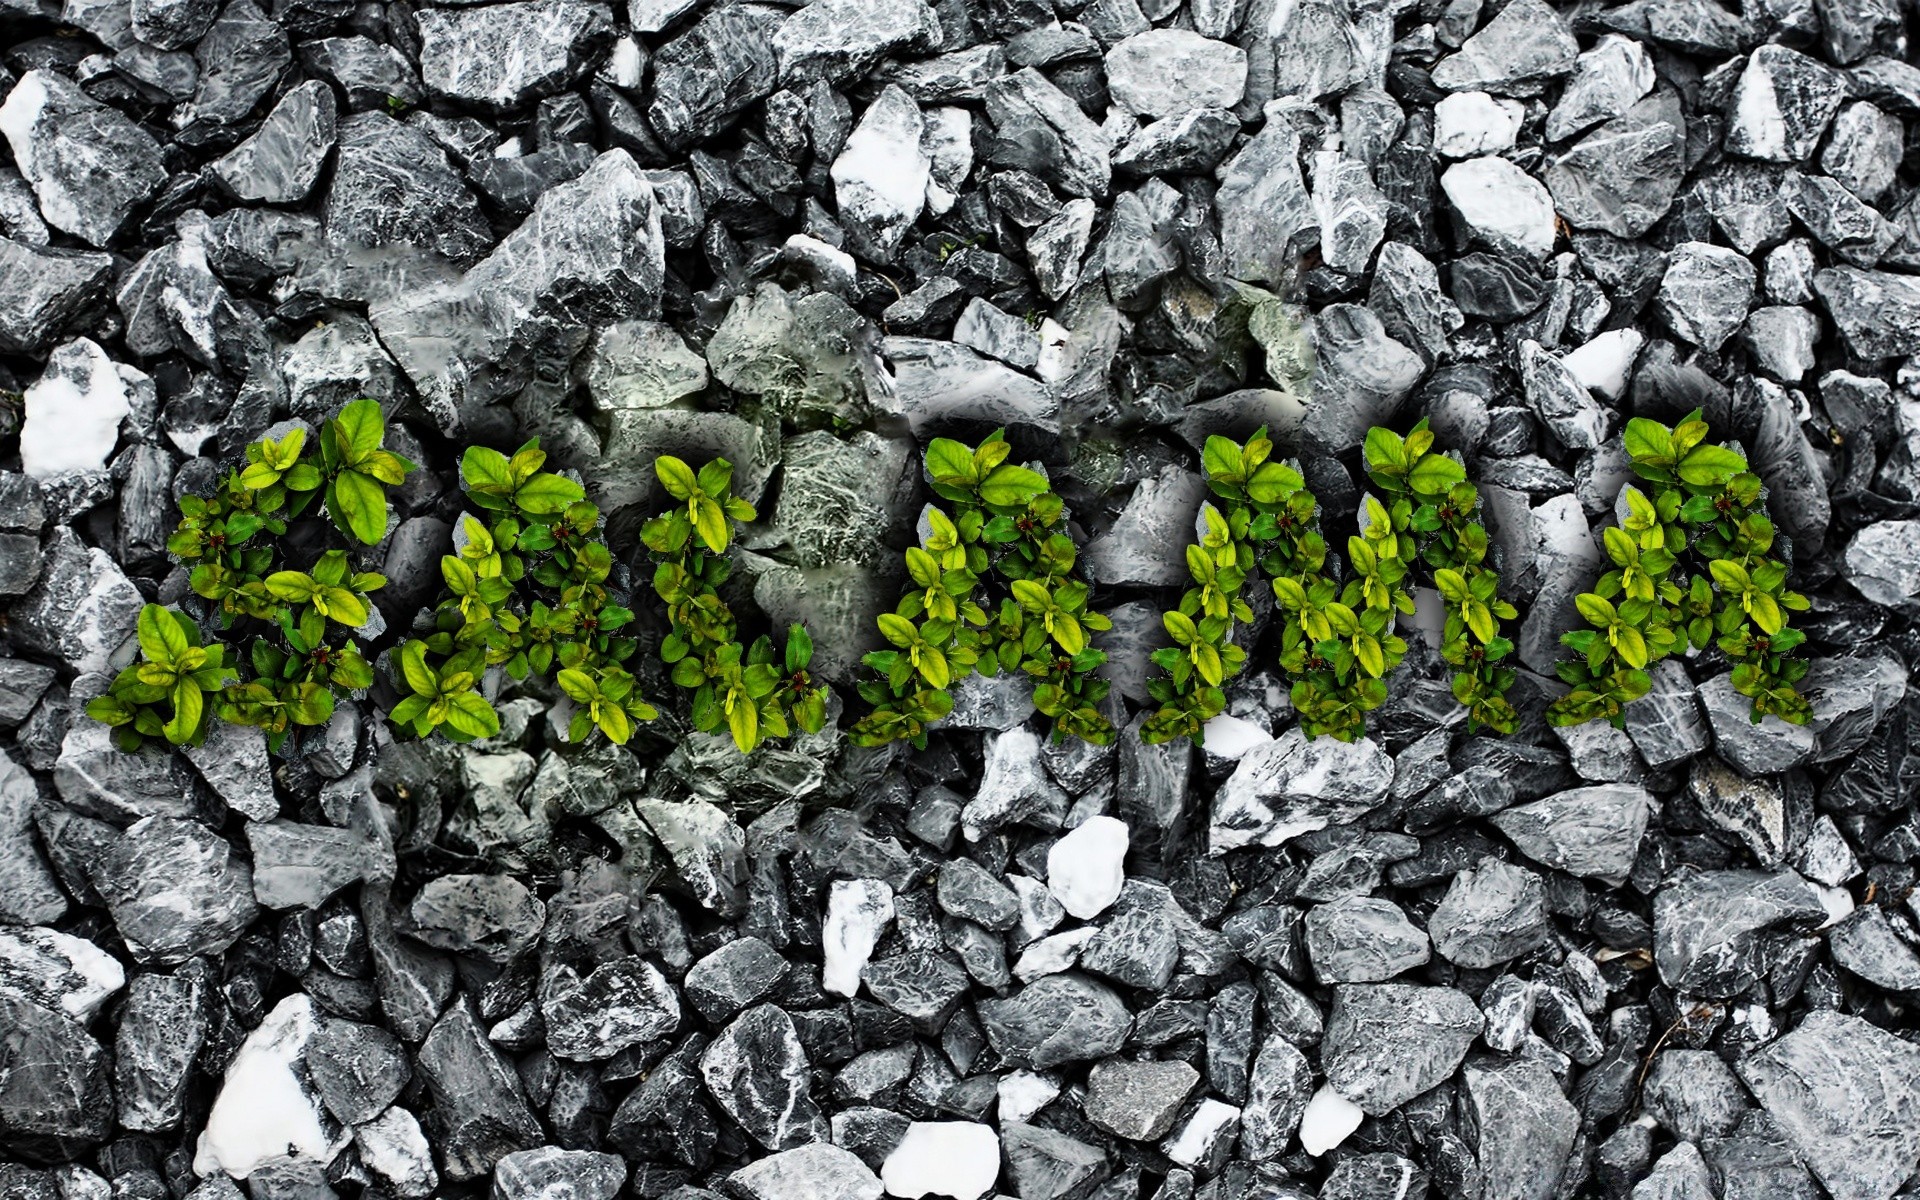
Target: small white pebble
(1086, 867)
(1330, 1118)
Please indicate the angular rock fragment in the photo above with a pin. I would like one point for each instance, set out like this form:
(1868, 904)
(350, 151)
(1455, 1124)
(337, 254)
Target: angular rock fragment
(1710, 927)
(1059, 1019)
(1525, 1126)
(1590, 831)
(1291, 786)
(757, 1070)
(90, 166)
(480, 1112)
(47, 290)
(618, 1004)
(268, 1110)
(504, 55)
(281, 162)
(1387, 1043)
(56, 1099)
(1162, 71)
(176, 890)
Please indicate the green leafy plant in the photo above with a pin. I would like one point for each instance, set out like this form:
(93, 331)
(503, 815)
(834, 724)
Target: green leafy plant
(1433, 514)
(1690, 568)
(992, 589)
(297, 621)
(1262, 520)
(529, 594)
(165, 694)
(753, 691)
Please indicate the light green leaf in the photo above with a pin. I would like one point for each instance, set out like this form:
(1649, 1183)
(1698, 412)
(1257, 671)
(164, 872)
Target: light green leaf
(675, 476)
(1708, 466)
(799, 652)
(188, 704)
(345, 608)
(546, 494)
(950, 463)
(712, 525)
(486, 470)
(359, 429)
(413, 667)
(362, 505)
(898, 630)
(1596, 610)
(470, 714)
(1009, 486)
(1649, 442)
(744, 723)
(291, 586)
(1434, 474)
(1222, 459)
(161, 637)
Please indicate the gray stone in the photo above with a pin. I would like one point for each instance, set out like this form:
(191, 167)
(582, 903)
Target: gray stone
(1781, 105)
(1387, 1043)
(480, 1109)
(1522, 1124)
(836, 40)
(1363, 939)
(1138, 1100)
(1525, 42)
(1266, 215)
(163, 1026)
(1164, 71)
(1876, 312)
(1159, 514)
(1705, 293)
(1055, 1020)
(1607, 81)
(1589, 831)
(44, 292)
(1666, 724)
(1362, 378)
(880, 179)
(281, 162)
(90, 166)
(1034, 126)
(1292, 785)
(705, 77)
(392, 184)
(1755, 748)
(1710, 927)
(816, 1172)
(176, 890)
(1623, 177)
(758, 1071)
(1843, 1093)
(1493, 912)
(502, 56)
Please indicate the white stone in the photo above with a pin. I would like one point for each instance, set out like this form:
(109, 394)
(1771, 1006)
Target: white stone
(1605, 364)
(58, 969)
(267, 1108)
(1197, 1138)
(1329, 1120)
(1086, 867)
(858, 910)
(1838, 901)
(1227, 737)
(947, 142)
(1023, 1093)
(626, 65)
(1470, 123)
(1164, 71)
(955, 1159)
(880, 179)
(394, 1148)
(73, 412)
(1052, 955)
(1502, 203)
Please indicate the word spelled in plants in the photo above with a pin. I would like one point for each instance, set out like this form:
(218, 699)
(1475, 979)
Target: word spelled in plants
(527, 593)
(993, 589)
(1690, 569)
(1434, 517)
(299, 653)
(1338, 641)
(751, 691)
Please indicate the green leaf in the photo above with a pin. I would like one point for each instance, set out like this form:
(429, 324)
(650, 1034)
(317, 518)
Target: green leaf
(578, 685)
(414, 669)
(546, 494)
(675, 476)
(345, 608)
(188, 704)
(1596, 610)
(712, 525)
(359, 429)
(161, 638)
(1385, 451)
(1631, 647)
(1223, 460)
(716, 478)
(361, 505)
(799, 648)
(1708, 466)
(291, 586)
(1730, 576)
(1272, 482)
(1649, 442)
(1008, 486)
(1434, 474)
(469, 713)
(898, 630)
(613, 722)
(1480, 620)
(486, 471)
(950, 463)
(743, 721)
(1765, 613)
